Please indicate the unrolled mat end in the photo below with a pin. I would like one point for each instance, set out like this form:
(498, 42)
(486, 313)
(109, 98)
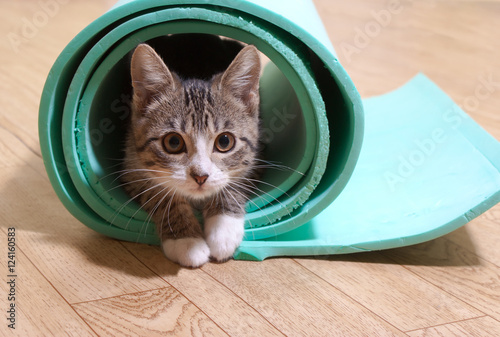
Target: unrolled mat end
(413, 167)
(425, 169)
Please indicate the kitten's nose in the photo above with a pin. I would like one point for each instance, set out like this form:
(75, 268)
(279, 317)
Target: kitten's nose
(200, 180)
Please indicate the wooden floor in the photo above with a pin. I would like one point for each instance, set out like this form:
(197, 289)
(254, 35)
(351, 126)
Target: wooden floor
(74, 282)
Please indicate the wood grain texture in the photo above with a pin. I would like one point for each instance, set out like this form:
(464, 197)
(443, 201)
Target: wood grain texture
(40, 310)
(295, 301)
(81, 264)
(470, 278)
(413, 304)
(161, 312)
(221, 304)
(479, 327)
(455, 43)
(479, 236)
(75, 282)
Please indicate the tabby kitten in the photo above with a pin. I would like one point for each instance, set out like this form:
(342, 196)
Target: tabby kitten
(190, 146)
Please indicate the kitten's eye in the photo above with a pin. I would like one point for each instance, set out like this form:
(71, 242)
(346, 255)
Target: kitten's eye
(173, 143)
(224, 142)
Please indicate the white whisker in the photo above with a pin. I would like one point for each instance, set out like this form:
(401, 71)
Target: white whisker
(144, 204)
(133, 182)
(124, 172)
(263, 182)
(249, 200)
(130, 200)
(168, 214)
(274, 165)
(153, 211)
(249, 189)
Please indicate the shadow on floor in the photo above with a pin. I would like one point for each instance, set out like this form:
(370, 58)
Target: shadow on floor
(440, 252)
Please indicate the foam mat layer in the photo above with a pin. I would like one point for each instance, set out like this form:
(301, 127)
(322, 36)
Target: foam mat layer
(424, 167)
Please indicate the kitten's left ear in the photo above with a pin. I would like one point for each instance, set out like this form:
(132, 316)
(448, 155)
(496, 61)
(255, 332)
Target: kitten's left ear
(242, 76)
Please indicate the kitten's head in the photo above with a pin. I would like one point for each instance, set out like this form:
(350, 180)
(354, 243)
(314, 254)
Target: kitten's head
(194, 136)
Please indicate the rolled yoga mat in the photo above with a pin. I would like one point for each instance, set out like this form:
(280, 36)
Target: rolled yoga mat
(348, 175)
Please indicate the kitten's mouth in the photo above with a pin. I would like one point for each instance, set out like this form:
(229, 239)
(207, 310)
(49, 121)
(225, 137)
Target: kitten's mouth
(201, 191)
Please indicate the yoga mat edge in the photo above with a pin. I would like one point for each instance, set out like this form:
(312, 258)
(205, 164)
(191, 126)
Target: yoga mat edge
(415, 164)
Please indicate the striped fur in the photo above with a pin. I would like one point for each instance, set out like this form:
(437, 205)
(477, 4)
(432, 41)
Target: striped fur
(170, 185)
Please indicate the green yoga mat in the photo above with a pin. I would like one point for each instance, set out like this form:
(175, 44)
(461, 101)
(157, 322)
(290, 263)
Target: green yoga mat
(350, 176)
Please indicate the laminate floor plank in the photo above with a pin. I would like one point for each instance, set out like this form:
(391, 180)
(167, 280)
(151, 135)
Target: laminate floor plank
(38, 308)
(455, 270)
(224, 307)
(478, 327)
(296, 301)
(409, 303)
(481, 236)
(81, 264)
(73, 281)
(160, 312)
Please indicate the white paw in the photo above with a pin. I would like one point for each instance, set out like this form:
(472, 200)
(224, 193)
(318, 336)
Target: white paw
(188, 252)
(223, 234)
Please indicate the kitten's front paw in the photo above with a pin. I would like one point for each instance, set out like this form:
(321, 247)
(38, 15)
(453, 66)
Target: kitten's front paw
(188, 252)
(223, 234)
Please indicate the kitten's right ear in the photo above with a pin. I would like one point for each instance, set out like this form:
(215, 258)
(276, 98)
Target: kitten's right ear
(149, 73)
